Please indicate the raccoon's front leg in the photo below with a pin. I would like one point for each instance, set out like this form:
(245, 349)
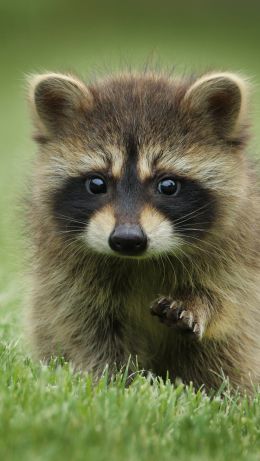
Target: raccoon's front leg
(188, 316)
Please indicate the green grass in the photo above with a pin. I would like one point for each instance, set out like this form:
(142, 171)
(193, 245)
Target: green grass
(47, 413)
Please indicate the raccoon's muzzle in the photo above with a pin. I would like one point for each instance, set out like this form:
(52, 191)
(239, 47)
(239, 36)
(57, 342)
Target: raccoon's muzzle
(128, 240)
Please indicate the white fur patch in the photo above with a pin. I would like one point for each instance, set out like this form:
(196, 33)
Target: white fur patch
(160, 233)
(99, 229)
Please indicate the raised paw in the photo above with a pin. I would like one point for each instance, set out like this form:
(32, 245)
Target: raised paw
(176, 314)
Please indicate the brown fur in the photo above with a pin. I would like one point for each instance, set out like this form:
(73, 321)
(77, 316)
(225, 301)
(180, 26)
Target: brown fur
(93, 307)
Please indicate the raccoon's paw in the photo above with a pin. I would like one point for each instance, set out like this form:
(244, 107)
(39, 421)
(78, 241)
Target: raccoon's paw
(176, 314)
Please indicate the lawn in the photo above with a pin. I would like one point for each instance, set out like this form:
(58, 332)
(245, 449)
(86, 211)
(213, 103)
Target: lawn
(47, 413)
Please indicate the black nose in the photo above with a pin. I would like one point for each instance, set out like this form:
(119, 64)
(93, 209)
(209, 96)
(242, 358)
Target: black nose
(128, 239)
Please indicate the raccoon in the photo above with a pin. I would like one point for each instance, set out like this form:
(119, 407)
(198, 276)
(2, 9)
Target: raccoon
(144, 222)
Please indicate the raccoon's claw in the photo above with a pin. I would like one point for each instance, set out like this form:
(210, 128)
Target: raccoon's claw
(174, 314)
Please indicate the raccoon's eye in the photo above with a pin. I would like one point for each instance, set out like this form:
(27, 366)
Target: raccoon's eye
(96, 185)
(168, 186)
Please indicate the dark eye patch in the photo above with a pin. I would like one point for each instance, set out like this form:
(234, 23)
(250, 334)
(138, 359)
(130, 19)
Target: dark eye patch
(73, 205)
(192, 211)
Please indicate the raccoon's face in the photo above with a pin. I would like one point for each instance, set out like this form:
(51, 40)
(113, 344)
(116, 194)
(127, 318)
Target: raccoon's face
(139, 166)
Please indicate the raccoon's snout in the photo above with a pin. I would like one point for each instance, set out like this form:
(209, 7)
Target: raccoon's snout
(128, 239)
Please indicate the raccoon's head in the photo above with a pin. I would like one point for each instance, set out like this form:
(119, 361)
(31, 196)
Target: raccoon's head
(139, 165)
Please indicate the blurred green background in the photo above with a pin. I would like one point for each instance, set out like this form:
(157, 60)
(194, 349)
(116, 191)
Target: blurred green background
(94, 37)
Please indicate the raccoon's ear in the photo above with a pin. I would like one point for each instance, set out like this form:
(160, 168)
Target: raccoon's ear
(58, 101)
(219, 102)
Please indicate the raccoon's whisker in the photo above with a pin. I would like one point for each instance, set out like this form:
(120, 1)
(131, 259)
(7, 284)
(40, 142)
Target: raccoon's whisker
(192, 245)
(182, 264)
(191, 261)
(69, 219)
(183, 218)
(206, 242)
(190, 218)
(70, 231)
(72, 250)
(194, 228)
(163, 265)
(77, 248)
(203, 241)
(172, 266)
(217, 250)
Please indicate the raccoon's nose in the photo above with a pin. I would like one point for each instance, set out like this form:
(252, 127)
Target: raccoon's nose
(128, 239)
